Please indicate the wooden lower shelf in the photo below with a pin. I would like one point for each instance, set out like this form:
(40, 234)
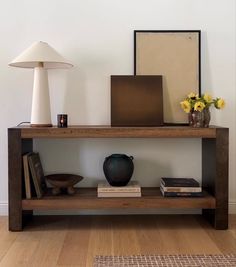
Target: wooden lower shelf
(86, 198)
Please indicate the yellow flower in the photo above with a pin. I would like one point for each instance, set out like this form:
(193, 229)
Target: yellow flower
(192, 95)
(207, 98)
(220, 103)
(185, 105)
(199, 106)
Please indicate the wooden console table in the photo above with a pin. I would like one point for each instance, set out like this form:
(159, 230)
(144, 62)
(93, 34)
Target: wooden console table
(214, 203)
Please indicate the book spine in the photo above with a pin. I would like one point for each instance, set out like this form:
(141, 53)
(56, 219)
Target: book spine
(179, 183)
(27, 177)
(119, 190)
(181, 194)
(34, 178)
(109, 194)
(182, 189)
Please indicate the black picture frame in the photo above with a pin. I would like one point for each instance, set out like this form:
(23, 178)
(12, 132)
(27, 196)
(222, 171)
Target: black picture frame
(142, 43)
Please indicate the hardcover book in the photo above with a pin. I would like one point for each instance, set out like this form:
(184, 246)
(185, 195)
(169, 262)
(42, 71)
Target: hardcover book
(119, 194)
(132, 186)
(37, 174)
(27, 176)
(179, 182)
(181, 194)
(181, 189)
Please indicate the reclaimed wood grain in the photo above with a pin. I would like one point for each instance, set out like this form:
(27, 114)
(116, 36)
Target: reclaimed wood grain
(215, 161)
(214, 172)
(86, 198)
(118, 132)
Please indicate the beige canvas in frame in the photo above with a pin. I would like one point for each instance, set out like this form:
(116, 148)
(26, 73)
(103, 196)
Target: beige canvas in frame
(175, 56)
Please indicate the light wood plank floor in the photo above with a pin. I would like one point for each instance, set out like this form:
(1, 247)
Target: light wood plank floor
(75, 240)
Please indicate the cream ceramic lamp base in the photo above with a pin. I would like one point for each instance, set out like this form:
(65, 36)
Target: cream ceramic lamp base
(40, 113)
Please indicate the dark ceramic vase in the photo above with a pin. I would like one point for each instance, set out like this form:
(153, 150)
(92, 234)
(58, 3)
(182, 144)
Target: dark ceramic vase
(118, 169)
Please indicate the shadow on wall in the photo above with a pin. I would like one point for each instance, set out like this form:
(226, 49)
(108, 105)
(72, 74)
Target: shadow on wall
(153, 171)
(75, 100)
(205, 65)
(87, 94)
(146, 172)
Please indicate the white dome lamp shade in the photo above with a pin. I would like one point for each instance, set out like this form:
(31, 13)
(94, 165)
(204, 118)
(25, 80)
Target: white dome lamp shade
(41, 57)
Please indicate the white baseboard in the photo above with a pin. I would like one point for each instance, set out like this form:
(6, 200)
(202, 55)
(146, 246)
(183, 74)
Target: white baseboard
(3, 208)
(232, 207)
(4, 211)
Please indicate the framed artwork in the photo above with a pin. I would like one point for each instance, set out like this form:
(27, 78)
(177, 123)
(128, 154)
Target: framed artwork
(176, 55)
(136, 100)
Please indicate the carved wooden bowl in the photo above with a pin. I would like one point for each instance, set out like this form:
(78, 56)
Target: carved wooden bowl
(62, 181)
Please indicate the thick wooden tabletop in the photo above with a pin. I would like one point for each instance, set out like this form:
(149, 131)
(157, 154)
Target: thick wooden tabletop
(117, 132)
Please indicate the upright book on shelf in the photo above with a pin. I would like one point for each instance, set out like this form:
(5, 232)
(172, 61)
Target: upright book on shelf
(37, 174)
(27, 176)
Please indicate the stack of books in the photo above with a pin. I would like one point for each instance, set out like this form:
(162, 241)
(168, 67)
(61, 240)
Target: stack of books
(180, 187)
(133, 189)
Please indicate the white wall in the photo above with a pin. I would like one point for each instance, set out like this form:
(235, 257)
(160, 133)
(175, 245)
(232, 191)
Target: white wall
(97, 36)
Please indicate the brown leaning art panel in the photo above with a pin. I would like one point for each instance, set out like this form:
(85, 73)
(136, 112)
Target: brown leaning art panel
(136, 100)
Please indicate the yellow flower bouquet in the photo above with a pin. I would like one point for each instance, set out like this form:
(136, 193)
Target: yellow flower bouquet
(198, 108)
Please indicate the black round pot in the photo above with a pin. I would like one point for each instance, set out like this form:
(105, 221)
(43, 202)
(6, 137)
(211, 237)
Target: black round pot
(118, 169)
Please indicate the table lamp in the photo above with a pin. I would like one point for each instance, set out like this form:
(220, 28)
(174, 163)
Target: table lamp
(41, 57)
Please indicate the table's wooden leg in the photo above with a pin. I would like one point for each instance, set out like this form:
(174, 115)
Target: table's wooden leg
(16, 147)
(215, 176)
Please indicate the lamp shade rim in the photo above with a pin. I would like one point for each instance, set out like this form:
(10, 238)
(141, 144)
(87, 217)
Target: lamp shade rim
(46, 64)
(40, 52)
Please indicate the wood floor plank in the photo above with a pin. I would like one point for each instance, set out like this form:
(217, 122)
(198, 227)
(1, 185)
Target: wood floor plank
(21, 252)
(224, 240)
(173, 235)
(124, 236)
(75, 246)
(3, 220)
(51, 242)
(74, 241)
(183, 235)
(149, 236)
(7, 238)
(100, 237)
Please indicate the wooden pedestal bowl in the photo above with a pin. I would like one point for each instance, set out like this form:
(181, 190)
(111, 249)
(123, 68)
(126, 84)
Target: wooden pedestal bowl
(63, 182)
